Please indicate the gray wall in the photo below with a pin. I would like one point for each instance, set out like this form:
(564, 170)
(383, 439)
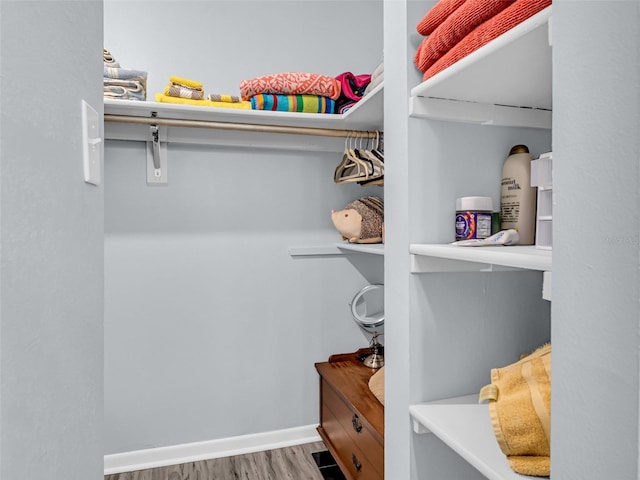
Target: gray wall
(51, 244)
(211, 327)
(596, 265)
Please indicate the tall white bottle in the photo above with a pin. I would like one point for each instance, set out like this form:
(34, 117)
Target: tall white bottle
(518, 197)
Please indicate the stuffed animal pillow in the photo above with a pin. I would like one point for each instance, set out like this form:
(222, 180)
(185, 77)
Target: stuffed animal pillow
(361, 220)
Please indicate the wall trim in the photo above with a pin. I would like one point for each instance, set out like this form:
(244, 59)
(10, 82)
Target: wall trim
(222, 447)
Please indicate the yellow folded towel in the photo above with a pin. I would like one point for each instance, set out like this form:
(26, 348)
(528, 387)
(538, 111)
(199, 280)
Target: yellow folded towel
(186, 82)
(181, 91)
(218, 97)
(159, 97)
(520, 408)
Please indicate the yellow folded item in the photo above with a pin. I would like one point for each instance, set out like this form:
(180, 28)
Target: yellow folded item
(218, 97)
(159, 97)
(520, 408)
(181, 91)
(186, 82)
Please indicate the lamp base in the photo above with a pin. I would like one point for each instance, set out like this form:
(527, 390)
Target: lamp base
(374, 360)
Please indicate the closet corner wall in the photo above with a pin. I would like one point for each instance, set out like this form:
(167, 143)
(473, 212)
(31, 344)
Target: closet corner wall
(208, 299)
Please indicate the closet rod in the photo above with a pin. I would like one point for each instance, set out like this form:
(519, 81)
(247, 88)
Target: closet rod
(246, 127)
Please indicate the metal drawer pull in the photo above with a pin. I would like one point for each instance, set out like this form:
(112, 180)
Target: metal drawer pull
(355, 421)
(356, 462)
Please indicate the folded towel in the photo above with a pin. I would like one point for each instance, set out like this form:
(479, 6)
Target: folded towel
(291, 83)
(457, 26)
(180, 91)
(109, 61)
(352, 86)
(374, 83)
(514, 14)
(218, 97)
(124, 93)
(124, 89)
(344, 107)
(125, 74)
(292, 103)
(436, 15)
(159, 97)
(185, 82)
(378, 71)
(352, 89)
(519, 398)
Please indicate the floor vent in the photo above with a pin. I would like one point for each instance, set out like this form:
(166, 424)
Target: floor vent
(327, 466)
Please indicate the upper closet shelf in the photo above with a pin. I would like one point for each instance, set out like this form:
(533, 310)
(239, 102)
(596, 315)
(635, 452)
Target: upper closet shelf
(130, 120)
(506, 82)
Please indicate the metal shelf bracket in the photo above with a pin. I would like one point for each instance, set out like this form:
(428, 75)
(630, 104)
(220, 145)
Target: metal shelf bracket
(156, 158)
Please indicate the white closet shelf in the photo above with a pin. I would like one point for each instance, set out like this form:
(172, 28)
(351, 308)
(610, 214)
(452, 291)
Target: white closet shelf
(465, 426)
(366, 115)
(506, 82)
(443, 258)
(432, 258)
(374, 249)
(337, 249)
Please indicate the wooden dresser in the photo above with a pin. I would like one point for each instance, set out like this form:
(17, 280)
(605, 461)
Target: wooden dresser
(351, 417)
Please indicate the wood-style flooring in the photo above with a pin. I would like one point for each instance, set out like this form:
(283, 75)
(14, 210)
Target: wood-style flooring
(290, 463)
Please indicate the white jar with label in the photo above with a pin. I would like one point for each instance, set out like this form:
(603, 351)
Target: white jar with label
(473, 217)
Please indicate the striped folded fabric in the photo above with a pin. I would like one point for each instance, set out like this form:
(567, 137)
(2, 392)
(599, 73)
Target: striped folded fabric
(162, 98)
(292, 103)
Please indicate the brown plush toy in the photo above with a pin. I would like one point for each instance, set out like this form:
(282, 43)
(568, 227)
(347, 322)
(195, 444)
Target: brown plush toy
(361, 220)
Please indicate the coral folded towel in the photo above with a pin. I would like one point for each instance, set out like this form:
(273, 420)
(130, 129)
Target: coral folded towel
(514, 14)
(436, 15)
(457, 26)
(292, 103)
(291, 83)
(159, 97)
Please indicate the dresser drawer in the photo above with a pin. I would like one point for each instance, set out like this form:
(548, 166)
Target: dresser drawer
(356, 428)
(348, 454)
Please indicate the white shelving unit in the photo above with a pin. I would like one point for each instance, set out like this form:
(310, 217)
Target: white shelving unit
(515, 87)
(465, 426)
(507, 82)
(366, 115)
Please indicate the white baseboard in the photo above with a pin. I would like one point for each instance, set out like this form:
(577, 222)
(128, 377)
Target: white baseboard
(223, 447)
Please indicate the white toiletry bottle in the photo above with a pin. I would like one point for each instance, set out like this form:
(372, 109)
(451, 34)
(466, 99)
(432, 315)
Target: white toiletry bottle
(518, 197)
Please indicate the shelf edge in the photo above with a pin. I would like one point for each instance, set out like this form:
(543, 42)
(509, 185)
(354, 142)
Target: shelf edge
(463, 111)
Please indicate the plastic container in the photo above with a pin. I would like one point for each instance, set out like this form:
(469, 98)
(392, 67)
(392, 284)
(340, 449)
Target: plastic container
(517, 196)
(541, 177)
(473, 217)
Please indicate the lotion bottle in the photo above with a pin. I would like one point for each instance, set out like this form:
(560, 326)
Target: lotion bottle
(518, 197)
